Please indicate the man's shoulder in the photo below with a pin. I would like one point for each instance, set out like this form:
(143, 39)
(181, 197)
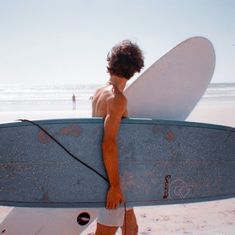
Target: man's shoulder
(117, 104)
(117, 99)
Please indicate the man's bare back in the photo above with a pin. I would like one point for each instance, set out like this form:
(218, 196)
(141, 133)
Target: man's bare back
(103, 97)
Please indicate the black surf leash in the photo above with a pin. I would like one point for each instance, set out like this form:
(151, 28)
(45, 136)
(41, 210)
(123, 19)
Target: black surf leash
(64, 148)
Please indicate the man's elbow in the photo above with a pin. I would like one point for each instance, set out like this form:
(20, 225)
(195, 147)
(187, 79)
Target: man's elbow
(108, 147)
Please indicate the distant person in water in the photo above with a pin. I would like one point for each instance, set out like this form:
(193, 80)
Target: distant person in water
(109, 102)
(74, 102)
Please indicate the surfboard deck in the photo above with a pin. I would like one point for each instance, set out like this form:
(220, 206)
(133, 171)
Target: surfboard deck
(161, 162)
(173, 85)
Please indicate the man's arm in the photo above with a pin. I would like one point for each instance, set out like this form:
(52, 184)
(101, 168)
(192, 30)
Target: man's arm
(115, 109)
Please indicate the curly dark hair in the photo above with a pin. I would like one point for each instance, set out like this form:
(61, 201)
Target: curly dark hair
(125, 59)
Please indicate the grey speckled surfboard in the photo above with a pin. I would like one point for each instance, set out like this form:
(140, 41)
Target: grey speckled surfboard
(161, 162)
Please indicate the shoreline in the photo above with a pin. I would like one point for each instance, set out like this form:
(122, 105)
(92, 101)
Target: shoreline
(211, 111)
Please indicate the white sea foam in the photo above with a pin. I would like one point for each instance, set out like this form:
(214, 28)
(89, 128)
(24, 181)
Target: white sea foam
(220, 90)
(59, 97)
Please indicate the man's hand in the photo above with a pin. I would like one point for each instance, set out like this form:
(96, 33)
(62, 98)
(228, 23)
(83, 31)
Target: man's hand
(114, 197)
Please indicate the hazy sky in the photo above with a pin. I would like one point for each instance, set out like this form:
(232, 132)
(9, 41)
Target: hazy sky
(66, 41)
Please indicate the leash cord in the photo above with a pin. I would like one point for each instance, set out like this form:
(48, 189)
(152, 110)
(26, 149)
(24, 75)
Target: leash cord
(65, 149)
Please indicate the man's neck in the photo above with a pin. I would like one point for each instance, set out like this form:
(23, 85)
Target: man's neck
(118, 82)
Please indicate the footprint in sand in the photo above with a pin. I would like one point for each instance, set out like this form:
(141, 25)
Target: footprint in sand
(147, 230)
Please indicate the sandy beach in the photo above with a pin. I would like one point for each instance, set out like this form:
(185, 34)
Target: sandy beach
(220, 112)
(211, 218)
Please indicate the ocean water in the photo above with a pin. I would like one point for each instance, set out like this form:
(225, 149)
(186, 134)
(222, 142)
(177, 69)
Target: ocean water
(17, 98)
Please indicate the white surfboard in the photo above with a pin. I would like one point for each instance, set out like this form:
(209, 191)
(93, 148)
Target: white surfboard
(173, 85)
(169, 89)
(46, 221)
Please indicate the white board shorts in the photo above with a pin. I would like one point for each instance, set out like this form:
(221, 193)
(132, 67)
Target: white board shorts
(112, 217)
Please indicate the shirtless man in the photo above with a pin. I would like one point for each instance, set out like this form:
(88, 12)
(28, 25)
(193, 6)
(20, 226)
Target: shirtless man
(109, 102)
